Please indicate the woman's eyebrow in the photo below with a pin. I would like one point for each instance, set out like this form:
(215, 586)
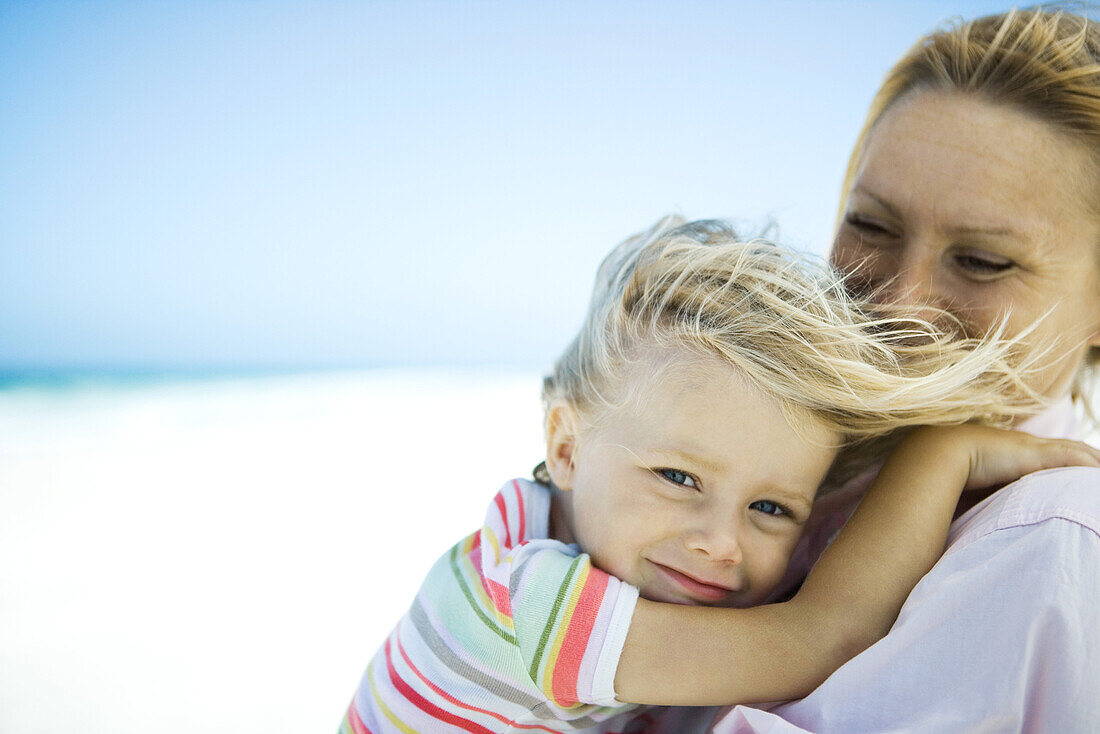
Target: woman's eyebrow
(861, 189)
(966, 230)
(984, 231)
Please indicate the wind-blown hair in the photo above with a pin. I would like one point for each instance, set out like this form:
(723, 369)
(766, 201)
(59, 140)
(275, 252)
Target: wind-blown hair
(1044, 62)
(787, 325)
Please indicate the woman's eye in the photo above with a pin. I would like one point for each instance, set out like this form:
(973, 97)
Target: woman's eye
(864, 225)
(982, 265)
(768, 508)
(678, 477)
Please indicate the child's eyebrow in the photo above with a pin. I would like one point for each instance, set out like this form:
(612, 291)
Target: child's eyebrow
(690, 457)
(791, 498)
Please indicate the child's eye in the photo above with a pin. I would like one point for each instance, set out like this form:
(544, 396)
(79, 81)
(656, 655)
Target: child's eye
(678, 477)
(769, 508)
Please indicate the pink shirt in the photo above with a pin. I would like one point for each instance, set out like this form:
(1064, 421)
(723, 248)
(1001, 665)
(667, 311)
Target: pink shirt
(1003, 634)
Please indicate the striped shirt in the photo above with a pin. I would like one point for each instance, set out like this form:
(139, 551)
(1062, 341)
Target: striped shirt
(510, 632)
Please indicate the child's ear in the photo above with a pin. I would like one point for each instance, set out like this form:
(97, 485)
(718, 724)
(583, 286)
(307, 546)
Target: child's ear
(561, 443)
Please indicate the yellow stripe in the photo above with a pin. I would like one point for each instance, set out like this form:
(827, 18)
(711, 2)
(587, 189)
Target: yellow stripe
(386, 709)
(474, 576)
(488, 534)
(563, 627)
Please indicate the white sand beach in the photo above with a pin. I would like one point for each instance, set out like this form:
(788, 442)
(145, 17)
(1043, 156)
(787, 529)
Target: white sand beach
(224, 555)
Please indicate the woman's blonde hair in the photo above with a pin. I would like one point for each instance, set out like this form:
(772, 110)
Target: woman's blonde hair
(1045, 62)
(786, 324)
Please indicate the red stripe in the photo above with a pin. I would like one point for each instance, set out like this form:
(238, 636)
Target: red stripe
(357, 724)
(568, 665)
(427, 706)
(456, 702)
(499, 499)
(502, 598)
(522, 512)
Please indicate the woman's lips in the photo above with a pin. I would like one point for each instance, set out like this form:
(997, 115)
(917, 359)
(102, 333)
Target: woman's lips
(703, 590)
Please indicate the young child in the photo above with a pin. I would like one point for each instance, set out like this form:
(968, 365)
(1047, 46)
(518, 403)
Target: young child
(689, 426)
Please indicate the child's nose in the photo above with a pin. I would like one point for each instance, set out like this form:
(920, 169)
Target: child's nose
(718, 540)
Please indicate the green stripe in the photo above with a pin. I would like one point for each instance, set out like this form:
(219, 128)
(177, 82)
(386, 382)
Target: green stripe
(489, 622)
(563, 591)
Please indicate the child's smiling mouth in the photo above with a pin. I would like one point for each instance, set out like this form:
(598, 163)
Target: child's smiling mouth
(699, 590)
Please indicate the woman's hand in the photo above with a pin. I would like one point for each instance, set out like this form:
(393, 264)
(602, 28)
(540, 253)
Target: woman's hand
(898, 531)
(994, 457)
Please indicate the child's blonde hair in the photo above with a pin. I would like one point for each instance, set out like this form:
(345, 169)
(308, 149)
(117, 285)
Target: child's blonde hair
(786, 323)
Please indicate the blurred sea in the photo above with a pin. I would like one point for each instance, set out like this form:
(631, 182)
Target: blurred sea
(223, 552)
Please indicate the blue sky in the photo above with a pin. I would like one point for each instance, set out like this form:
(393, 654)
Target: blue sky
(314, 184)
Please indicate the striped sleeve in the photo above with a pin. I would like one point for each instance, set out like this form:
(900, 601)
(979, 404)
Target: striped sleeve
(569, 619)
(510, 631)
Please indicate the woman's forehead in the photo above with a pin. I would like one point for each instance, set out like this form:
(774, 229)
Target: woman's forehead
(955, 160)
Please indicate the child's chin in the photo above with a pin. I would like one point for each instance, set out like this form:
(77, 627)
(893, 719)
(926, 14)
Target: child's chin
(671, 598)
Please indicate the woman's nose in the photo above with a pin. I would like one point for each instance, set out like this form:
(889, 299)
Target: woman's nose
(719, 541)
(915, 282)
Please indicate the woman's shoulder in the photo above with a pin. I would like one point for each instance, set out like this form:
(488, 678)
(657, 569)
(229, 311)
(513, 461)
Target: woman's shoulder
(1067, 494)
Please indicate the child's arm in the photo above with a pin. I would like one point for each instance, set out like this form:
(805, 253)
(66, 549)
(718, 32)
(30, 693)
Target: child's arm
(684, 655)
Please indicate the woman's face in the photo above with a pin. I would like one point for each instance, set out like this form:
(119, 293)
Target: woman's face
(981, 210)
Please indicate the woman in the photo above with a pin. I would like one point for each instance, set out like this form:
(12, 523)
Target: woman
(975, 187)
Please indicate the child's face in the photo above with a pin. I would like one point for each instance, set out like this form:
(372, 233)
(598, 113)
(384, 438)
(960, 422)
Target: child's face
(696, 492)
